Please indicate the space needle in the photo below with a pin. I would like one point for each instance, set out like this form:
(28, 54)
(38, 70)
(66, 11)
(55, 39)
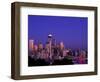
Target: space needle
(50, 44)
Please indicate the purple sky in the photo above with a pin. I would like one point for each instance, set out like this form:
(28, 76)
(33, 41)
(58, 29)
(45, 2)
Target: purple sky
(73, 31)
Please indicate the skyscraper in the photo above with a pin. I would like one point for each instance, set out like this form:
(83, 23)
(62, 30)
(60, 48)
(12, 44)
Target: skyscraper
(40, 46)
(31, 45)
(61, 45)
(54, 43)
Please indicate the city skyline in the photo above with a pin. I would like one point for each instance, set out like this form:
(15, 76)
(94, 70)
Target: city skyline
(54, 54)
(72, 31)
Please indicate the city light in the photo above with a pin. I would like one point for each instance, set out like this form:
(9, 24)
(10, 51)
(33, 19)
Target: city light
(53, 53)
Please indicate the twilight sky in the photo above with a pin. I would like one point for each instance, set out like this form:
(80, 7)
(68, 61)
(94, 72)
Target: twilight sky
(73, 31)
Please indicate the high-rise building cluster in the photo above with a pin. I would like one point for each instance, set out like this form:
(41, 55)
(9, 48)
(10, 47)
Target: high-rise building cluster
(52, 53)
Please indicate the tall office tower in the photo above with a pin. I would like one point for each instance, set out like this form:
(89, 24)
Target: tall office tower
(61, 45)
(35, 48)
(54, 43)
(47, 46)
(31, 45)
(40, 46)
